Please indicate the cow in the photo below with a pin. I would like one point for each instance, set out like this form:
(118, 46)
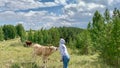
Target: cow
(43, 51)
(27, 44)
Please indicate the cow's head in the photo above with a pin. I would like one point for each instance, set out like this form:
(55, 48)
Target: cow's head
(53, 48)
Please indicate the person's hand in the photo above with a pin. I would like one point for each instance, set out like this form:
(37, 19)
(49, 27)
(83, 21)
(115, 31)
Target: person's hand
(61, 60)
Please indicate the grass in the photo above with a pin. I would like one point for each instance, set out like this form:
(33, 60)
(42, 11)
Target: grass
(14, 55)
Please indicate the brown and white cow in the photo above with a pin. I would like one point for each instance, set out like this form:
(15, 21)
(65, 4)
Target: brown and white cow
(43, 51)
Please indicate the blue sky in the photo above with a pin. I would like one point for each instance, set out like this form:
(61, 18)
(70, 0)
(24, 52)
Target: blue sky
(36, 14)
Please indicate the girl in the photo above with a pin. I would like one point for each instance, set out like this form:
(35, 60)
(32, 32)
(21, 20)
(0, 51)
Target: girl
(64, 53)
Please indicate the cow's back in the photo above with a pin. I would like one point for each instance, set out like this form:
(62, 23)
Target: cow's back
(37, 49)
(42, 50)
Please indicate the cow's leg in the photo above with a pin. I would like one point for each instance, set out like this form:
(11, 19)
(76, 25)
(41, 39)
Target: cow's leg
(33, 56)
(44, 62)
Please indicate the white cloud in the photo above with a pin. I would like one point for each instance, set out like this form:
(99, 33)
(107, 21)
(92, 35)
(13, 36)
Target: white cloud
(113, 2)
(61, 2)
(31, 13)
(8, 16)
(110, 2)
(83, 7)
(33, 19)
(74, 14)
(2, 2)
(91, 6)
(64, 23)
(20, 4)
(81, 3)
(81, 11)
(11, 5)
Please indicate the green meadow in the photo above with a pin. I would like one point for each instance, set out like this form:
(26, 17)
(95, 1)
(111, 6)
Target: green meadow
(14, 55)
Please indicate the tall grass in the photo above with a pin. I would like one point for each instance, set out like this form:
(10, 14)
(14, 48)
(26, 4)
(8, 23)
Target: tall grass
(14, 55)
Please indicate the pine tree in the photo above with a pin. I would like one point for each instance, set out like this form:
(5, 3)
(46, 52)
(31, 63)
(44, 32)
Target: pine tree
(115, 51)
(30, 35)
(107, 15)
(54, 36)
(97, 30)
(107, 37)
(84, 43)
(21, 32)
(9, 32)
(36, 37)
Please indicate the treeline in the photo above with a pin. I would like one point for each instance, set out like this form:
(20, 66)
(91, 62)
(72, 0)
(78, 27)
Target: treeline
(101, 36)
(10, 32)
(42, 36)
(53, 35)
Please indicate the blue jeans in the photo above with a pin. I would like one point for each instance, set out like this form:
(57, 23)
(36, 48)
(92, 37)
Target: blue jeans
(65, 61)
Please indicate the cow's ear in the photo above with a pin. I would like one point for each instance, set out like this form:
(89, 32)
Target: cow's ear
(50, 48)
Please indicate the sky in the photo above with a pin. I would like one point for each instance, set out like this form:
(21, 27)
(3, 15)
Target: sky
(36, 14)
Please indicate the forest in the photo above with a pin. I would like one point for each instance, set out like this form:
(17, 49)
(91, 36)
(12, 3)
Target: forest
(101, 36)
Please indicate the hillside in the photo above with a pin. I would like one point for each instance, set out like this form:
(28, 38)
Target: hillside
(14, 55)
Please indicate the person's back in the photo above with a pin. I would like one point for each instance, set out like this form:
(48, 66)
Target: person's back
(62, 47)
(64, 53)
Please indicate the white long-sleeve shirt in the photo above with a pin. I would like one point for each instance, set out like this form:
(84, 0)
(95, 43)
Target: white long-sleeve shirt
(62, 48)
